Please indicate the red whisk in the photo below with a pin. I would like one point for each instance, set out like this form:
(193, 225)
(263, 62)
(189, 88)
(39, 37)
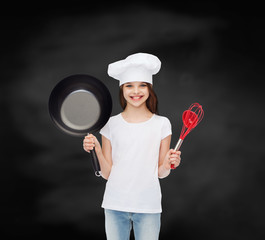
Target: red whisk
(191, 119)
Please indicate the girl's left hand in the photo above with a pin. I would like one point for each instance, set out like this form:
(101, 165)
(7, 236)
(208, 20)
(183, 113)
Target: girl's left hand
(172, 157)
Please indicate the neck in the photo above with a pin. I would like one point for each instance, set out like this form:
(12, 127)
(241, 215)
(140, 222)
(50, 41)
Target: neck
(136, 114)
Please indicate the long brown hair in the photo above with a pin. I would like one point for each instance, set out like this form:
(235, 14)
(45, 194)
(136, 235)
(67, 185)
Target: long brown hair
(151, 102)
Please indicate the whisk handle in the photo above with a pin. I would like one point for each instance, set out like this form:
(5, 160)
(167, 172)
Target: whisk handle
(177, 147)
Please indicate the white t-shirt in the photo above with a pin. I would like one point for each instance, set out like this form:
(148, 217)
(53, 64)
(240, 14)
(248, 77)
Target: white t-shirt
(133, 184)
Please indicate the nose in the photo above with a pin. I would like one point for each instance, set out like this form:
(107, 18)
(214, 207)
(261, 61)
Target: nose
(135, 89)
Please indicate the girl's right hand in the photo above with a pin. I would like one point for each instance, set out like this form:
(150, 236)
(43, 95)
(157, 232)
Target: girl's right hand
(91, 142)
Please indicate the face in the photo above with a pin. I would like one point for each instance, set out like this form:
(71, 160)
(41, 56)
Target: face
(135, 93)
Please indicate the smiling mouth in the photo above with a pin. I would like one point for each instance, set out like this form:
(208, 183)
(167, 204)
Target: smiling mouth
(136, 97)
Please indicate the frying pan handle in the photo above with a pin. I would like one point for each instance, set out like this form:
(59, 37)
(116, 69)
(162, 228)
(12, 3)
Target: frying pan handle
(95, 162)
(177, 147)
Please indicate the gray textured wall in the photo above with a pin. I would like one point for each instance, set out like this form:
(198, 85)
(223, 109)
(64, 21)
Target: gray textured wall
(209, 55)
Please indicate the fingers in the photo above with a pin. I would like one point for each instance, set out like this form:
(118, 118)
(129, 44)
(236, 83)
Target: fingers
(172, 151)
(89, 143)
(174, 157)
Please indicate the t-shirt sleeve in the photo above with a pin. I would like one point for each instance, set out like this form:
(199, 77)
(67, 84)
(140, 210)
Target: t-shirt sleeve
(105, 131)
(166, 128)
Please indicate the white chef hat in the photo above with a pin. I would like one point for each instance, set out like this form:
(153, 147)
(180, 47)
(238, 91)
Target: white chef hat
(137, 67)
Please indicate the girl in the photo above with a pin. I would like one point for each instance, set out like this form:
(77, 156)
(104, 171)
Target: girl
(135, 152)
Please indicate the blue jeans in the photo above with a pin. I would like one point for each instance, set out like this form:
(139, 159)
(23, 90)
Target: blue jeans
(118, 225)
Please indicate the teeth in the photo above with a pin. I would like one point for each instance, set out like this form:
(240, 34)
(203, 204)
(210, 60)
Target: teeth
(135, 97)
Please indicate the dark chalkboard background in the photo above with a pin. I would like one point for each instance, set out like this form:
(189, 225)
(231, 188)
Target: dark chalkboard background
(211, 53)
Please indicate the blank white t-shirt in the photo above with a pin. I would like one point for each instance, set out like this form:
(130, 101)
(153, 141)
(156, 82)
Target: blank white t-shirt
(133, 184)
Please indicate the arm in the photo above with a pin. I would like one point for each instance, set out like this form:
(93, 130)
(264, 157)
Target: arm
(104, 154)
(105, 157)
(167, 157)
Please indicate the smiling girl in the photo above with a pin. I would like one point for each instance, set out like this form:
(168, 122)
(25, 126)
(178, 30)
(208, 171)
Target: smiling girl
(135, 152)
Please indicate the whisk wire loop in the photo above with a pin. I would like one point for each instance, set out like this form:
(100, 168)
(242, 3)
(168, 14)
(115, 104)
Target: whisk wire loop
(191, 118)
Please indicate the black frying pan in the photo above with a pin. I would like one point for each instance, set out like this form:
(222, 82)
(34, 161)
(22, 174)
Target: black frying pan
(81, 104)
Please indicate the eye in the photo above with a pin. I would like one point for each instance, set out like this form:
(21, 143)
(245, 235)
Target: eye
(143, 85)
(129, 85)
